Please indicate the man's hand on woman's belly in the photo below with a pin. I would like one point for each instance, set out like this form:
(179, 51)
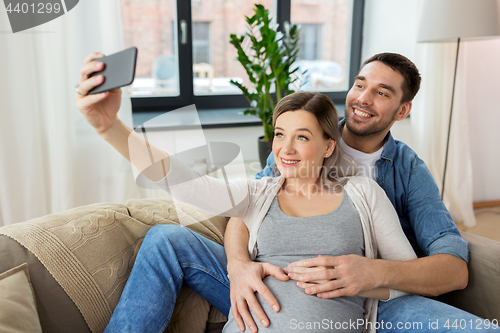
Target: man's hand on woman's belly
(328, 277)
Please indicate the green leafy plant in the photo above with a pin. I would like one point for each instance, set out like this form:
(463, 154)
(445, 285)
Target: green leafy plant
(268, 62)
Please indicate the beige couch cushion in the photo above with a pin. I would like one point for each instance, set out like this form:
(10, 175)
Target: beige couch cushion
(482, 295)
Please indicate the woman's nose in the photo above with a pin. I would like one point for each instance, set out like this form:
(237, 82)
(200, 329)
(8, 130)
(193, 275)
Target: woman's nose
(288, 146)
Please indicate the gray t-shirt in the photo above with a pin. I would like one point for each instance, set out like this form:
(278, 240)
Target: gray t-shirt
(283, 239)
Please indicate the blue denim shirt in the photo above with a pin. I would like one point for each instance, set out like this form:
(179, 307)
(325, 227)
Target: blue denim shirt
(414, 194)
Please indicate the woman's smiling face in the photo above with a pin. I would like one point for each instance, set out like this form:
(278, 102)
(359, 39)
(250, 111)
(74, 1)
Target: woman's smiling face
(299, 145)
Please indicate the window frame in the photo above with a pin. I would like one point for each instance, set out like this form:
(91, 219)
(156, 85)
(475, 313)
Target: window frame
(185, 56)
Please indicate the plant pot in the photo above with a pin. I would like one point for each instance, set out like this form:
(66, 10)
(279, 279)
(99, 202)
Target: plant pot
(265, 148)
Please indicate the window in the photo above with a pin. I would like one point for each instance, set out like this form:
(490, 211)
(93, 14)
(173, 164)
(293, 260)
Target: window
(325, 49)
(310, 41)
(152, 27)
(201, 42)
(213, 22)
(185, 56)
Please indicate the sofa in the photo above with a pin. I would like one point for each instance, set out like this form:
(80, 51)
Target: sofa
(67, 270)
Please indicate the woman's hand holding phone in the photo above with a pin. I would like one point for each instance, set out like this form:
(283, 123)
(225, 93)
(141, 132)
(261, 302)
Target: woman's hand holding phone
(100, 110)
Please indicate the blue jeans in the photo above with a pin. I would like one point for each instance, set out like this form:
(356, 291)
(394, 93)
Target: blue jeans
(169, 255)
(172, 254)
(420, 314)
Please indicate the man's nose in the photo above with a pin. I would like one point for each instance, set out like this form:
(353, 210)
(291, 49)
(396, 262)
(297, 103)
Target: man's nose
(365, 98)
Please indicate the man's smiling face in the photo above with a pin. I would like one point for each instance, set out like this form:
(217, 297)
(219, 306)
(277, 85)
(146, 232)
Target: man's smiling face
(374, 101)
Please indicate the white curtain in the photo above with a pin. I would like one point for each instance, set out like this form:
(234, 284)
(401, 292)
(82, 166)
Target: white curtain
(429, 124)
(50, 158)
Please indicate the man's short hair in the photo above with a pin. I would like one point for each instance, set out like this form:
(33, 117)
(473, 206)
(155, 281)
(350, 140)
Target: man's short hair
(403, 65)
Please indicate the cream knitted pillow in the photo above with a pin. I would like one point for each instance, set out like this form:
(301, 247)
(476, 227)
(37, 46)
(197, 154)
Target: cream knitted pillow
(17, 303)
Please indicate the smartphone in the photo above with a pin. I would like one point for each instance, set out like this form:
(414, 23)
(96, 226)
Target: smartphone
(119, 70)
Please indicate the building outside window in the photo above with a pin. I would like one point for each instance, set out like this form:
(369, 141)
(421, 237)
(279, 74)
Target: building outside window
(310, 41)
(201, 42)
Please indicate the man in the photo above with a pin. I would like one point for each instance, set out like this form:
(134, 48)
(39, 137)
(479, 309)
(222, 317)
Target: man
(381, 95)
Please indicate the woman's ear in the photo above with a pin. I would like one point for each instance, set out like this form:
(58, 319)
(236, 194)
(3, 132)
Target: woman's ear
(330, 147)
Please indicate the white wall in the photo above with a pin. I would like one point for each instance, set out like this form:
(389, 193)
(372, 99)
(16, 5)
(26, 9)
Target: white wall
(483, 74)
(391, 26)
(244, 137)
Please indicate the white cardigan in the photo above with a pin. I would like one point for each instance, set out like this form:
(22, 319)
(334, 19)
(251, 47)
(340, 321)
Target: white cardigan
(250, 199)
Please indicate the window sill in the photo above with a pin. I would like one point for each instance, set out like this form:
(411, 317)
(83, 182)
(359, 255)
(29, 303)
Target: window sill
(213, 118)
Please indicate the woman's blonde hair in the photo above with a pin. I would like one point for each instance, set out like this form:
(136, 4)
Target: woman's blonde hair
(338, 165)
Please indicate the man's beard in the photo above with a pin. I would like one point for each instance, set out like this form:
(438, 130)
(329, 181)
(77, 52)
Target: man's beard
(368, 129)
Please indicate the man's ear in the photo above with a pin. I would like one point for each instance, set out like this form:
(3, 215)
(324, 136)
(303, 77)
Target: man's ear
(404, 111)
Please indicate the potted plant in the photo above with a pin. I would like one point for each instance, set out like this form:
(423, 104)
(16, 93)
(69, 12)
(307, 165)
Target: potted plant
(268, 62)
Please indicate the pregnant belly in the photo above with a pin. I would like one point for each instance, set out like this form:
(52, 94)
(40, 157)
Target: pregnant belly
(308, 313)
(304, 313)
